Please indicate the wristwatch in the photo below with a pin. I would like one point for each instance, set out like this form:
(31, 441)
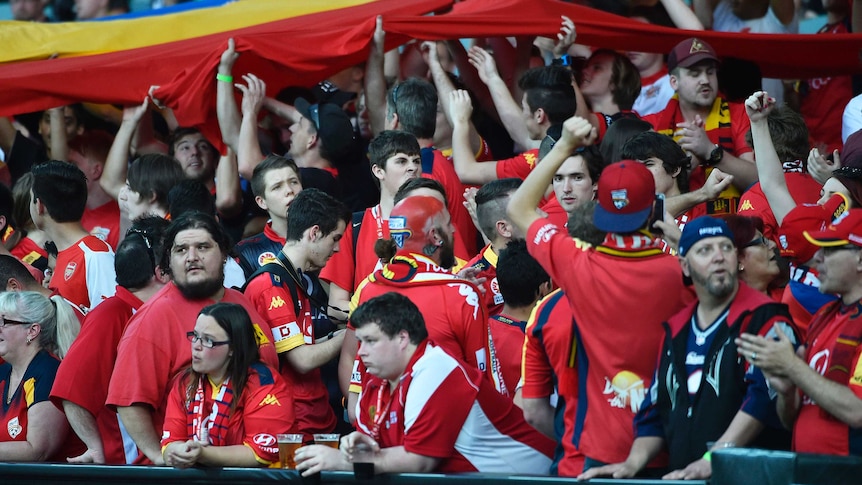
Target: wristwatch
(715, 156)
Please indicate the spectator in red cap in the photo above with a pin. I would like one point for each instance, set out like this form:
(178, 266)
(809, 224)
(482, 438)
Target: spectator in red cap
(705, 125)
(820, 387)
(604, 302)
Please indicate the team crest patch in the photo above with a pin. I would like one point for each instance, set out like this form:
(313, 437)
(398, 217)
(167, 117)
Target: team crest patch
(265, 258)
(620, 198)
(70, 270)
(264, 439)
(398, 230)
(13, 428)
(696, 46)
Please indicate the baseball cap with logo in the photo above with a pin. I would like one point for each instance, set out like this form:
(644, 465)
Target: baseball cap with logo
(702, 228)
(626, 195)
(847, 229)
(791, 241)
(332, 124)
(689, 52)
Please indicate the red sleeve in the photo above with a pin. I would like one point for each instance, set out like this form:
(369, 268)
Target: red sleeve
(740, 126)
(175, 427)
(435, 421)
(340, 267)
(93, 352)
(536, 371)
(267, 412)
(142, 370)
(518, 166)
(552, 248)
(275, 305)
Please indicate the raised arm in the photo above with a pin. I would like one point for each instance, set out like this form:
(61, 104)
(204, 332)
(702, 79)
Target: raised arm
(117, 164)
(375, 81)
(226, 110)
(784, 10)
(577, 132)
(769, 169)
(58, 149)
(249, 154)
(704, 9)
(228, 190)
(445, 88)
(463, 157)
(681, 15)
(508, 109)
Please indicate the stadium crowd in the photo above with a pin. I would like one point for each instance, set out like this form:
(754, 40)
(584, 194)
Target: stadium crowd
(562, 260)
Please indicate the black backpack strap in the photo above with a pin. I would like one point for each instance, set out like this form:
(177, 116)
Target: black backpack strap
(279, 276)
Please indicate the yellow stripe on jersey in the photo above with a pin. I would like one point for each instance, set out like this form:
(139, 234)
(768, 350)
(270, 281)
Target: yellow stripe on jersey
(29, 391)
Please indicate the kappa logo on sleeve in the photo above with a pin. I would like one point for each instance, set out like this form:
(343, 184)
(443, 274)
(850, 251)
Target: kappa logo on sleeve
(275, 303)
(269, 400)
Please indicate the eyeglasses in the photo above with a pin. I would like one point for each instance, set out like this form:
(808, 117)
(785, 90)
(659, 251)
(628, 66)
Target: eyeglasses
(5, 322)
(313, 110)
(146, 238)
(205, 341)
(760, 241)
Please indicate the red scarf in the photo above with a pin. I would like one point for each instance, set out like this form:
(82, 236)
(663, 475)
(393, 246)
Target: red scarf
(636, 245)
(208, 417)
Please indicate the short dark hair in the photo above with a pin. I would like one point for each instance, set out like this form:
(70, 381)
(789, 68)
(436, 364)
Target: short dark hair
(272, 162)
(491, 202)
(190, 195)
(389, 143)
(143, 242)
(313, 207)
(519, 275)
(550, 88)
(650, 144)
(593, 160)
(419, 183)
(21, 198)
(625, 79)
(789, 134)
(237, 324)
(62, 188)
(12, 267)
(7, 206)
(621, 131)
(392, 312)
(415, 103)
(192, 220)
(178, 135)
(154, 175)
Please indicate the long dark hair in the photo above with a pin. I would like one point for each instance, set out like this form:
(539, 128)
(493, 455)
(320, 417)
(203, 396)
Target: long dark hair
(237, 324)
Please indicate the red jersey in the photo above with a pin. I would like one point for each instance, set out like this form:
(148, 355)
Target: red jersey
(93, 353)
(104, 222)
(444, 172)
(34, 388)
(451, 307)
(549, 360)
(264, 410)
(349, 266)
(555, 211)
(726, 125)
(609, 308)
(444, 409)
(753, 203)
(31, 253)
(518, 166)
(84, 273)
(507, 338)
(154, 348)
(486, 263)
(821, 100)
(274, 303)
(833, 351)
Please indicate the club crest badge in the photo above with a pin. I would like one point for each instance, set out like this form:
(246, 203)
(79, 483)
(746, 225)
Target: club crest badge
(70, 270)
(620, 198)
(13, 428)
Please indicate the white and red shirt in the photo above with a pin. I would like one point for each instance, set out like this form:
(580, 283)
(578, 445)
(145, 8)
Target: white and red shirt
(444, 409)
(84, 273)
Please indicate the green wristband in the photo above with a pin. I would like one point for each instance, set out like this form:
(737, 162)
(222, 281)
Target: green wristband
(224, 78)
(707, 456)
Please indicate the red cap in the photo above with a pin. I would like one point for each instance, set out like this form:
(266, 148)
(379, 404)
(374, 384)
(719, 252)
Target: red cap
(626, 194)
(792, 242)
(847, 229)
(412, 219)
(689, 52)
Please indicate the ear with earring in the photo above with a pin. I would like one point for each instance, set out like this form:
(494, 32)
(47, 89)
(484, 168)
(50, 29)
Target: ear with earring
(741, 267)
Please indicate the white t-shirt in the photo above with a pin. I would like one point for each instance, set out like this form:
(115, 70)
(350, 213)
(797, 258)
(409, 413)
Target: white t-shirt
(852, 120)
(653, 97)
